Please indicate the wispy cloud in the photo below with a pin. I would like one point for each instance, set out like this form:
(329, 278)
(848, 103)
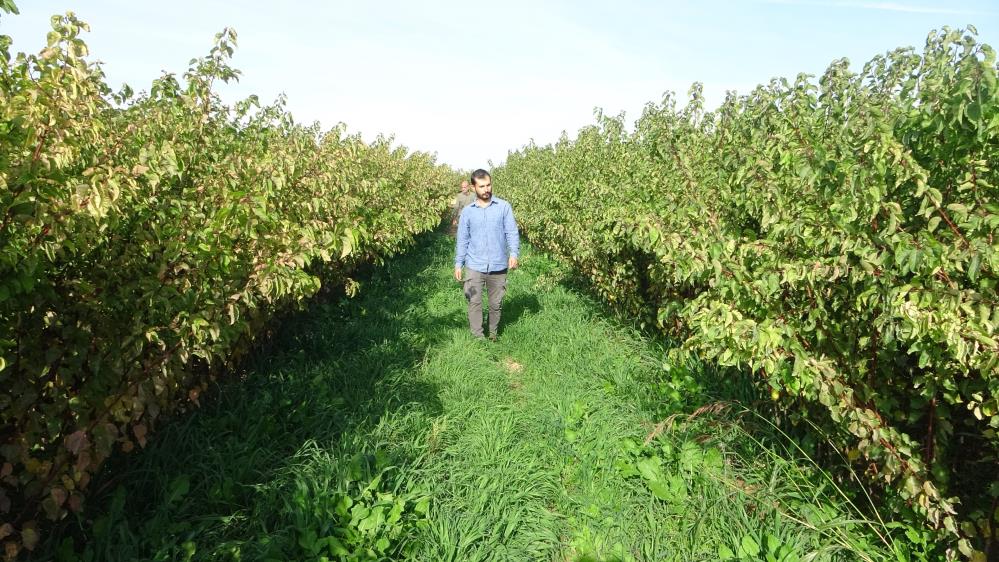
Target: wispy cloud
(884, 6)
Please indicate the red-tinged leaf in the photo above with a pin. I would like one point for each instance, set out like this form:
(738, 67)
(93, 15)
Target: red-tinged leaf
(6, 470)
(59, 495)
(140, 433)
(6, 530)
(82, 462)
(11, 549)
(75, 503)
(77, 442)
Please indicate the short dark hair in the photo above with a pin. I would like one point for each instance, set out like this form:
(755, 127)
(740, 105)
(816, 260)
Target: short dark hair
(479, 174)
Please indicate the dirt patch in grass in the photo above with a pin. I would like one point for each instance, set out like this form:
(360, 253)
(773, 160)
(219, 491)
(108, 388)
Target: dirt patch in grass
(513, 369)
(511, 366)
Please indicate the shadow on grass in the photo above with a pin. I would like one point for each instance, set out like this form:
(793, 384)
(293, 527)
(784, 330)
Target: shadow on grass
(326, 378)
(702, 382)
(704, 402)
(517, 306)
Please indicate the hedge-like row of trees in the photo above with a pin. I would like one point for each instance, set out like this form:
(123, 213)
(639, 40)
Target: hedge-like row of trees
(145, 240)
(836, 239)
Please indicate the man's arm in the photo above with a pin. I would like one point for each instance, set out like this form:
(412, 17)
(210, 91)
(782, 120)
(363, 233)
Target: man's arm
(512, 237)
(461, 245)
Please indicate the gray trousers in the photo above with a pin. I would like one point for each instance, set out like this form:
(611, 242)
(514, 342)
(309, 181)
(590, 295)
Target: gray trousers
(475, 282)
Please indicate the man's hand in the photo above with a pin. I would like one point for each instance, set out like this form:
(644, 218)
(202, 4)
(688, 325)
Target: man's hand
(513, 263)
(457, 274)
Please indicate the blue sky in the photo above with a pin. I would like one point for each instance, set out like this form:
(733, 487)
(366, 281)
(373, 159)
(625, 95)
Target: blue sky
(472, 80)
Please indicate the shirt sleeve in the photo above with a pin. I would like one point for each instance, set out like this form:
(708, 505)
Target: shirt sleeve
(461, 246)
(512, 233)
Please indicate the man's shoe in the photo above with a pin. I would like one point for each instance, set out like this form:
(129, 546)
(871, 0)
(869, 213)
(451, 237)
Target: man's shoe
(492, 338)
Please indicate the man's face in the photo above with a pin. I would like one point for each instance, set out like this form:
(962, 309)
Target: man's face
(464, 187)
(484, 188)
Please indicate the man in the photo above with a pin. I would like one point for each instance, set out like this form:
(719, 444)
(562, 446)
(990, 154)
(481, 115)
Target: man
(488, 245)
(462, 200)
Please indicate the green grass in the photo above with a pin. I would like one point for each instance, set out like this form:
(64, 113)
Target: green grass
(376, 428)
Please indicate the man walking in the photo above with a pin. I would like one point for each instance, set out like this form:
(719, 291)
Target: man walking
(488, 245)
(462, 200)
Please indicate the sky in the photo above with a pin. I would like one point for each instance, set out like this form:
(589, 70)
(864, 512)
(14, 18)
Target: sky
(472, 80)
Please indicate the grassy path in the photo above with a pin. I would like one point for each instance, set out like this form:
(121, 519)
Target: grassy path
(377, 428)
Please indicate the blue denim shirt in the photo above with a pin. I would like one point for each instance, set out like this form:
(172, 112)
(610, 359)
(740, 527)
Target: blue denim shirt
(487, 237)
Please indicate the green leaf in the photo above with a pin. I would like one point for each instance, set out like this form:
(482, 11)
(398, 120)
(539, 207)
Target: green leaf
(749, 547)
(307, 540)
(373, 521)
(335, 547)
(661, 490)
(974, 112)
(691, 456)
(713, 459)
(649, 468)
(179, 488)
(346, 245)
(654, 236)
(973, 267)
(8, 6)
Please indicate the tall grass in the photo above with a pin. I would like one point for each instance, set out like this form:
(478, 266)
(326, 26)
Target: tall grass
(376, 428)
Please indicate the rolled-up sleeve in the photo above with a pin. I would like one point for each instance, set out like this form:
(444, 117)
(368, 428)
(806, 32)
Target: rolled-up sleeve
(461, 246)
(512, 233)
